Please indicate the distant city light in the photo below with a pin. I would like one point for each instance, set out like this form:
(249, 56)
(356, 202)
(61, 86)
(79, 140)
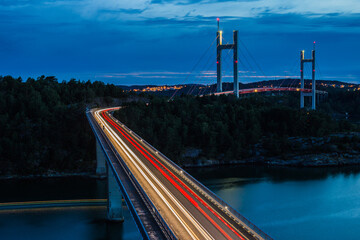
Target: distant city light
(158, 88)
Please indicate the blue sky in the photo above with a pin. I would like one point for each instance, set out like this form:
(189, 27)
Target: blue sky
(160, 42)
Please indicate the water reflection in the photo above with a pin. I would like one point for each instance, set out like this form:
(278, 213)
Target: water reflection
(81, 223)
(287, 203)
(291, 203)
(249, 174)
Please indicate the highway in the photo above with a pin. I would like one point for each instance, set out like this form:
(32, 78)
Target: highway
(189, 211)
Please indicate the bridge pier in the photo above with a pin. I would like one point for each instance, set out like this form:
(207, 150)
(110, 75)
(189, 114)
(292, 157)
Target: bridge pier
(313, 82)
(100, 160)
(219, 48)
(114, 204)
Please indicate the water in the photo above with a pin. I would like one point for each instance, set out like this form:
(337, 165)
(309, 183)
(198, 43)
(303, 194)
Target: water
(292, 203)
(287, 203)
(80, 223)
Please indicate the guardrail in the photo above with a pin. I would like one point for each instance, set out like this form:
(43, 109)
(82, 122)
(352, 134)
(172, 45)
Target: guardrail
(152, 209)
(235, 213)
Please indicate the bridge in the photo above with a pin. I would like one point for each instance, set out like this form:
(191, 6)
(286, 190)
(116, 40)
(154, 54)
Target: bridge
(270, 89)
(164, 200)
(314, 94)
(234, 47)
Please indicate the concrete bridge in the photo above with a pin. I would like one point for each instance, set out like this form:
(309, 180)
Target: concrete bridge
(163, 199)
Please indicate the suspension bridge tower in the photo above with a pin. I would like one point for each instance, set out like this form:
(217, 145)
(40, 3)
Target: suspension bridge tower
(219, 48)
(311, 94)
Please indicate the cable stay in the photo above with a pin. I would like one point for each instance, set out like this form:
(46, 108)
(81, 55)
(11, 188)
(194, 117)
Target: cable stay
(197, 63)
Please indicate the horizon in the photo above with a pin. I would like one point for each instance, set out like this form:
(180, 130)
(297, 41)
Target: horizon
(181, 84)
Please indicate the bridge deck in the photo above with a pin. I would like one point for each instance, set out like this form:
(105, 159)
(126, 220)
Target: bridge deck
(271, 89)
(189, 209)
(141, 209)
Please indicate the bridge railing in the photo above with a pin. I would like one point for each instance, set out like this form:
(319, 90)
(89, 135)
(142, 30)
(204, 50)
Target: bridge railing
(151, 207)
(228, 207)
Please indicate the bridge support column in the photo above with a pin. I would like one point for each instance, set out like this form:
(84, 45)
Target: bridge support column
(218, 61)
(100, 160)
(235, 59)
(302, 79)
(114, 204)
(313, 98)
(313, 83)
(221, 47)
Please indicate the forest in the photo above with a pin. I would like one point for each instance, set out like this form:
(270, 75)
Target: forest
(43, 126)
(44, 130)
(226, 128)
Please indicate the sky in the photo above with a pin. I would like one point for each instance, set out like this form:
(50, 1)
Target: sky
(138, 42)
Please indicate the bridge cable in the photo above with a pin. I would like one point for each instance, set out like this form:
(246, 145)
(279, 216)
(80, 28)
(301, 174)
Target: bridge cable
(204, 69)
(204, 76)
(256, 63)
(202, 57)
(194, 67)
(190, 91)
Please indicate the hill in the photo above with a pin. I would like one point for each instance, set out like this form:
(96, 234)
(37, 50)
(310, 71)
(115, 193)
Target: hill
(225, 129)
(43, 126)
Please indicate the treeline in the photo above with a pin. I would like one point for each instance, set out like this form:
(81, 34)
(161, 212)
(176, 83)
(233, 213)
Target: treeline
(43, 124)
(226, 128)
(341, 102)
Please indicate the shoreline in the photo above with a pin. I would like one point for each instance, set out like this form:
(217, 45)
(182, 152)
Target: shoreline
(53, 175)
(323, 160)
(241, 163)
(298, 161)
(307, 160)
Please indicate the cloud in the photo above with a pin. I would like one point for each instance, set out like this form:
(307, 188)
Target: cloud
(163, 74)
(312, 22)
(137, 37)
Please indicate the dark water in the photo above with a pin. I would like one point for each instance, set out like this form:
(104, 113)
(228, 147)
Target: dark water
(292, 203)
(286, 203)
(82, 223)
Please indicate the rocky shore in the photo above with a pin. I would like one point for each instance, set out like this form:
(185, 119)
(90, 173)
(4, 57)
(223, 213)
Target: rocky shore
(341, 149)
(308, 160)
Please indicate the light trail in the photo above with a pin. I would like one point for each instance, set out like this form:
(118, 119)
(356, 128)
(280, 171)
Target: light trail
(123, 146)
(147, 155)
(178, 180)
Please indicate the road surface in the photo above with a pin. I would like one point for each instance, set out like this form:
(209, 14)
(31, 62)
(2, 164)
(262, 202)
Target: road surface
(189, 212)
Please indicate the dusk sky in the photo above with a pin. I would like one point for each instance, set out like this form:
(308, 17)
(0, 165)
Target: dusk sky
(160, 42)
